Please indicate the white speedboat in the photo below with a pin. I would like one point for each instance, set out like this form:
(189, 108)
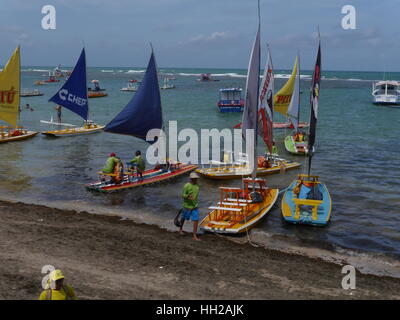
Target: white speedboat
(132, 87)
(386, 92)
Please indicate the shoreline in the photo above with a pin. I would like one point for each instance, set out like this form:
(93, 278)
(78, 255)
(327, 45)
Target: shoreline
(109, 257)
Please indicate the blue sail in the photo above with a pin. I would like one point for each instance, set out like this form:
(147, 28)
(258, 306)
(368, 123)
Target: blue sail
(143, 112)
(73, 94)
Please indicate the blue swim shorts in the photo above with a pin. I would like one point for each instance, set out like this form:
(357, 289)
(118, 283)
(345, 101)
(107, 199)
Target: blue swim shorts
(190, 213)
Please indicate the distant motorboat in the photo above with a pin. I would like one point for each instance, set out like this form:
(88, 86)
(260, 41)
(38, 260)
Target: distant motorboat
(131, 87)
(166, 84)
(230, 100)
(386, 92)
(204, 77)
(31, 93)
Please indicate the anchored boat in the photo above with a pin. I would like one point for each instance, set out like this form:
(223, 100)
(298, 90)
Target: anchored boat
(386, 93)
(307, 200)
(142, 114)
(230, 100)
(10, 101)
(270, 162)
(295, 142)
(166, 84)
(240, 209)
(31, 93)
(73, 96)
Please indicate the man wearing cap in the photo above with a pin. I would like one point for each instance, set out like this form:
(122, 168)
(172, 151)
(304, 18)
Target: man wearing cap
(190, 196)
(56, 289)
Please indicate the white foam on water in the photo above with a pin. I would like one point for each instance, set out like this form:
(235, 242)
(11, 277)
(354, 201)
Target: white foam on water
(136, 71)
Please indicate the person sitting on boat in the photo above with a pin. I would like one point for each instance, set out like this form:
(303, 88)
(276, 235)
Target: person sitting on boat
(113, 166)
(274, 148)
(139, 163)
(190, 210)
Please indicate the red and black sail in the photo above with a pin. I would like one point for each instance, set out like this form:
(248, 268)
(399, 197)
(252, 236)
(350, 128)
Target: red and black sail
(314, 96)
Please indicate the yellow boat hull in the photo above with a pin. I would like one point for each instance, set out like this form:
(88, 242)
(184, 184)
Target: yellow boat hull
(235, 172)
(73, 131)
(27, 135)
(225, 223)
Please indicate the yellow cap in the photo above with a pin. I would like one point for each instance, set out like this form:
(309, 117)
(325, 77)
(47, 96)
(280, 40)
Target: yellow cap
(56, 275)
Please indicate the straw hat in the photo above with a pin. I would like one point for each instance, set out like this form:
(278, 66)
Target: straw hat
(193, 175)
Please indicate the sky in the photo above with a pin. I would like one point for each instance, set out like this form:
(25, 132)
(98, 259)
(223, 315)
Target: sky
(202, 33)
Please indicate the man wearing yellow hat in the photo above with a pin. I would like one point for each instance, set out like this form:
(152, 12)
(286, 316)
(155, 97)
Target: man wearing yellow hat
(56, 289)
(190, 196)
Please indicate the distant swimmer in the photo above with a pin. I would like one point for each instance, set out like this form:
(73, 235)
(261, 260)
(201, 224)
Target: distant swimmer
(28, 107)
(57, 289)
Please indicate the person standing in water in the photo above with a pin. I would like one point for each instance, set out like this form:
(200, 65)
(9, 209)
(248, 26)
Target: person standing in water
(190, 196)
(58, 109)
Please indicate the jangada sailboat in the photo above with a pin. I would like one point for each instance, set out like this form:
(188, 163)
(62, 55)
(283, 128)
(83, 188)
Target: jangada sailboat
(142, 114)
(10, 101)
(307, 200)
(73, 96)
(239, 209)
(295, 143)
(284, 96)
(269, 163)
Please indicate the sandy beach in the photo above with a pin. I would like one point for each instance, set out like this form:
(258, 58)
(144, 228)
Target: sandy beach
(109, 258)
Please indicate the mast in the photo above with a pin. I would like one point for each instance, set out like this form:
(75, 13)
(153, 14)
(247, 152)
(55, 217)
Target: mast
(298, 72)
(314, 96)
(254, 173)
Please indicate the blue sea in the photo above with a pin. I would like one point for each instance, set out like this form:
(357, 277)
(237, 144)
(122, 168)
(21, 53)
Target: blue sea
(357, 157)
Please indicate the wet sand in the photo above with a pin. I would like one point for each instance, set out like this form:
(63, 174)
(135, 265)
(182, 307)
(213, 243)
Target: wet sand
(104, 257)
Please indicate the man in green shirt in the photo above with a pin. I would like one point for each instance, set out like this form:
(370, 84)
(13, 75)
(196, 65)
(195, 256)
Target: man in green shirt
(139, 163)
(110, 168)
(190, 196)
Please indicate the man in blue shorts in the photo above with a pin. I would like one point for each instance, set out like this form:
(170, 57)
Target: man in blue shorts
(190, 196)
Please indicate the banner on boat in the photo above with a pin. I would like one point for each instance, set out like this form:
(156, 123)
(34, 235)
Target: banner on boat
(284, 95)
(314, 96)
(10, 89)
(266, 105)
(143, 113)
(73, 94)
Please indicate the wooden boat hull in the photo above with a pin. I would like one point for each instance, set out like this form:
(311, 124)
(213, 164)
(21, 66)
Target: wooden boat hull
(288, 125)
(27, 135)
(73, 131)
(305, 215)
(297, 148)
(97, 95)
(236, 172)
(225, 225)
(149, 177)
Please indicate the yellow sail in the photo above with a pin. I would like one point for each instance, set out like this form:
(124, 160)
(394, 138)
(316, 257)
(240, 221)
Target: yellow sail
(10, 89)
(283, 96)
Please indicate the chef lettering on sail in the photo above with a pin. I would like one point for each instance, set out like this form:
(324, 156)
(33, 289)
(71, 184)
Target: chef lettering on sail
(65, 95)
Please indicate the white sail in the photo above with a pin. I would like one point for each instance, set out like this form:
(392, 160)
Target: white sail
(250, 113)
(294, 106)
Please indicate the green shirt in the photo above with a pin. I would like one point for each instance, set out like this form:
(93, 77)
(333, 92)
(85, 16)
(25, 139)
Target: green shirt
(141, 165)
(194, 190)
(110, 165)
(274, 150)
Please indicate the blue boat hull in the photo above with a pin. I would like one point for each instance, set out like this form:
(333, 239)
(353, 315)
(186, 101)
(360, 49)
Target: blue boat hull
(305, 217)
(230, 108)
